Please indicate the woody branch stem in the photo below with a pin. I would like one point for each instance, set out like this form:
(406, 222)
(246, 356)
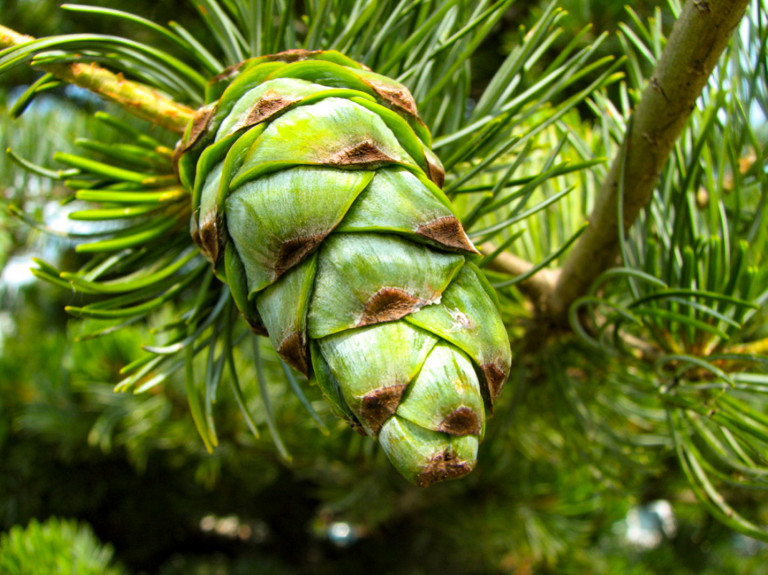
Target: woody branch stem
(135, 98)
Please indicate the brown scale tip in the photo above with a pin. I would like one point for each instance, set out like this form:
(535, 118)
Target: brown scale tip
(294, 55)
(495, 377)
(256, 326)
(357, 428)
(294, 250)
(436, 172)
(447, 231)
(210, 239)
(444, 466)
(194, 231)
(379, 405)
(200, 122)
(265, 108)
(389, 304)
(362, 154)
(199, 126)
(294, 352)
(227, 73)
(397, 97)
(462, 421)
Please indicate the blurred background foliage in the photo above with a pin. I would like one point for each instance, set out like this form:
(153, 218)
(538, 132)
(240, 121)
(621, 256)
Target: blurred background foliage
(553, 492)
(55, 546)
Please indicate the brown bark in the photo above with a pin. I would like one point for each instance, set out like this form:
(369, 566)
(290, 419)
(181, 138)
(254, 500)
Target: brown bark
(699, 37)
(538, 288)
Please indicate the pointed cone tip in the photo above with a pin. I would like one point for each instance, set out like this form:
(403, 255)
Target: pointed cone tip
(443, 467)
(425, 457)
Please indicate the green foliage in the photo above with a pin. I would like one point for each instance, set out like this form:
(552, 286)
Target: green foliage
(660, 395)
(142, 258)
(685, 310)
(30, 138)
(55, 546)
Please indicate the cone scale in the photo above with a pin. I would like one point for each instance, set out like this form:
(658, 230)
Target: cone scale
(317, 199)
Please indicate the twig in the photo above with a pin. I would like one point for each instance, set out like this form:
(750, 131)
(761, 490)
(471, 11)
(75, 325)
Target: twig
(699, 37)
(538, 287)
(135, 98)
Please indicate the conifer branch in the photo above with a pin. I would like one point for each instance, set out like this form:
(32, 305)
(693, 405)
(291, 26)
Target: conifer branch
(699, 37)
(135, 98)
(537, 288)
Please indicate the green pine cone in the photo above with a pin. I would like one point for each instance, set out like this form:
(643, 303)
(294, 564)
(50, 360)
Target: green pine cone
(317, 199)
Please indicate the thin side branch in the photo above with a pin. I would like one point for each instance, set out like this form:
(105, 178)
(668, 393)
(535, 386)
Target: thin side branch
(135, 98)
(699, 37)
(538, 287)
